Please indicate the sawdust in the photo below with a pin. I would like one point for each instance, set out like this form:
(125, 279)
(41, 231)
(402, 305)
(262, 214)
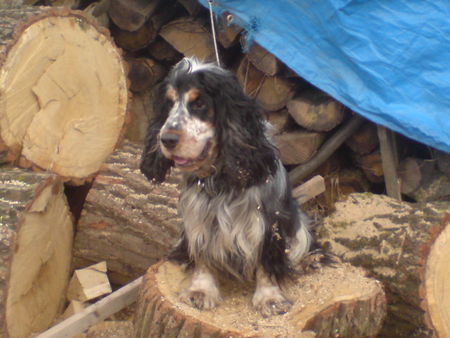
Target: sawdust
(370, 211)
(310, 295)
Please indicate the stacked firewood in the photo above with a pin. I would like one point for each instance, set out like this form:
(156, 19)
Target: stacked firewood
(315, 133)
(63, 118)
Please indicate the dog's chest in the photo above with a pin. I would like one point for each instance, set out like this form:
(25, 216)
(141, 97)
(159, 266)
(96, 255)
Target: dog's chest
(226, 229)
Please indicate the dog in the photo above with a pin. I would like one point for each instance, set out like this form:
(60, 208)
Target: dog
(239, 216)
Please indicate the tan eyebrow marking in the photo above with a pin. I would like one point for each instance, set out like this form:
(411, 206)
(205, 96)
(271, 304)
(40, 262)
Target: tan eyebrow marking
(192, 95)
(171, 94)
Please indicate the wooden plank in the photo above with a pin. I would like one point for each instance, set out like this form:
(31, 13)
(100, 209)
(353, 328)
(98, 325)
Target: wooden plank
(389, 157)
(310, 189)
(96, 312)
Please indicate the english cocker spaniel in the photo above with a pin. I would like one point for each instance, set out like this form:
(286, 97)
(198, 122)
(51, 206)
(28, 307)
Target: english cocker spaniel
(239, 216)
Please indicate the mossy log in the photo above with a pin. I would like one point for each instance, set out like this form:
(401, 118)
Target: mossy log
(405, 246)
(126, 221)
(36, 231)
(333, 301)
(63, 91)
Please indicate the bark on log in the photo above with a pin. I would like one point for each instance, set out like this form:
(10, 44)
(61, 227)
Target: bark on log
(130, 15)
(36, 232)
(271, 92)
(11, 4)
(144, 73)
(126, 221)
(228, 32)
(163, 51)
(372, 166)
(98, 11)
(329, 302)
(135, 40)
(364, 140)
(279, 120)
(141, 113)
(405, 246)
(422, 180)
(63, 89)
(317, 111)
(263, 60)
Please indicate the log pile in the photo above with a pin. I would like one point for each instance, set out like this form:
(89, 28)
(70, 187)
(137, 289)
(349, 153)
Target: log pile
(69, 97)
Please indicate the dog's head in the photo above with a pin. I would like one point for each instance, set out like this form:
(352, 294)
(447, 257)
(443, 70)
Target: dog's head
(206, 125)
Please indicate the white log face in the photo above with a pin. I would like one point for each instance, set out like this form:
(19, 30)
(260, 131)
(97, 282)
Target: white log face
(63, 94)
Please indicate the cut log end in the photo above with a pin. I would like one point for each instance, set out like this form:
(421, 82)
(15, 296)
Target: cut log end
(64, 92)
(40, 253)
(436, 282)
(329, 301)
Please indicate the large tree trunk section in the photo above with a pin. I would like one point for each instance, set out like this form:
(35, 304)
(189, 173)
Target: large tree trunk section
(63, 91)
(126, 221)
(404, 246)
(330, 302)
(36, 234)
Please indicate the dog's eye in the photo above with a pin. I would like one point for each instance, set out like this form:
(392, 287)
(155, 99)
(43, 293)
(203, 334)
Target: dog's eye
(198, 104)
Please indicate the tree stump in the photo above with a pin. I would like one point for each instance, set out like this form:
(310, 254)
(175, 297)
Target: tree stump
(63, 91)
(126, 221)
(329, 302)
(405, 246)
(36, 234)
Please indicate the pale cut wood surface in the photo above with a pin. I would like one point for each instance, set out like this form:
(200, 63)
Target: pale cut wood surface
(89, 283)
(36, 233)
(297, 147)
(190, 38)
(64, 91)
(315, 110)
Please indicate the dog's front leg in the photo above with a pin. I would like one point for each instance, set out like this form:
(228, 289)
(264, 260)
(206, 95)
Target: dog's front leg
(202, 291)
(268, 298)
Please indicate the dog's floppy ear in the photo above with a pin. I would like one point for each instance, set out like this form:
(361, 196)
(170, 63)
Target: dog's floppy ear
(153, 163)
(249, 157)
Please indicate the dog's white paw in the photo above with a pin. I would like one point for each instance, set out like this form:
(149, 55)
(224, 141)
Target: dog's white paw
(269, 301)
(200, 299)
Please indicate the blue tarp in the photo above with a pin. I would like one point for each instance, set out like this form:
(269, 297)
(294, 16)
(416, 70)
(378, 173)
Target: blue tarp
(388, 60)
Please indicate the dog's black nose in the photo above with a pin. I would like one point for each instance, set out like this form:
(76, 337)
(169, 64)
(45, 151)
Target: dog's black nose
(170, 140)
